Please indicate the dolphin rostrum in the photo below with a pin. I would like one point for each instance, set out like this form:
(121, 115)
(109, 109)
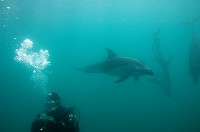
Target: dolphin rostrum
(124, 67)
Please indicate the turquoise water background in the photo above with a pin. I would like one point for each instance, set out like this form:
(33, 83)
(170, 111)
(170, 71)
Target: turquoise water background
(76, 32)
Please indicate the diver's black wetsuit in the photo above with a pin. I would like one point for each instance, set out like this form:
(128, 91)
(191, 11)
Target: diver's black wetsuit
(59, 119)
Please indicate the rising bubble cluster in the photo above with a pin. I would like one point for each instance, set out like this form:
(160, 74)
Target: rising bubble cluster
(35, 61)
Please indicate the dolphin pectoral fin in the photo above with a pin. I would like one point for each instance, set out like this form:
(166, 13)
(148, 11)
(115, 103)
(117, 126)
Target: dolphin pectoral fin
(136, 78)
(122, 78)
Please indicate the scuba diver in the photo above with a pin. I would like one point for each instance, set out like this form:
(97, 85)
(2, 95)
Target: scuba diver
(57, 118)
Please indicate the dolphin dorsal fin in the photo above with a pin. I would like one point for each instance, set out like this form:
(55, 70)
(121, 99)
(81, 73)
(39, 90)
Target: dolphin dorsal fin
(111, 54)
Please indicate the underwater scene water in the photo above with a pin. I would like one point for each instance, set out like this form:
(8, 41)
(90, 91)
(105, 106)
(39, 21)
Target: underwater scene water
(127, 65)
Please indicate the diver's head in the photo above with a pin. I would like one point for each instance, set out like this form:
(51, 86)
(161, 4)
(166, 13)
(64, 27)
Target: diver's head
(53, 100)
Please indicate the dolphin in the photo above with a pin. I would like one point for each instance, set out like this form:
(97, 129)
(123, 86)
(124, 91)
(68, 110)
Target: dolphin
(164, 79)
(192, 21)
(114, 65)
(194, 58)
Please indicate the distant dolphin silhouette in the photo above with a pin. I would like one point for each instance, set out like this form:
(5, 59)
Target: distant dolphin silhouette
(194, 57)
(192, 21)
(164, 80)
(124, 67)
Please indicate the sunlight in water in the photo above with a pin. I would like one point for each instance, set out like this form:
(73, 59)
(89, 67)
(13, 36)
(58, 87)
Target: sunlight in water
(36, 62)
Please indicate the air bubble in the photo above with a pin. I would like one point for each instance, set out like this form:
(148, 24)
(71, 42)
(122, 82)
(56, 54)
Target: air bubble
(36, 61)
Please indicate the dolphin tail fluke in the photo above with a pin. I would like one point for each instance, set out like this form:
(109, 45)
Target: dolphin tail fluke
(165, 86)
(169, 61)
(167, 90)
